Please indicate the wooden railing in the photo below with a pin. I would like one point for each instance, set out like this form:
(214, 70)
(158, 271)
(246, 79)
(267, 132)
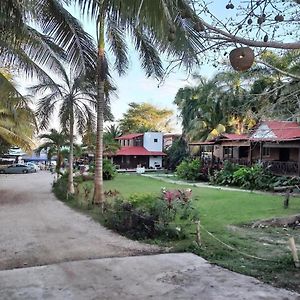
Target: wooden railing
(282, 167)
(276, 167)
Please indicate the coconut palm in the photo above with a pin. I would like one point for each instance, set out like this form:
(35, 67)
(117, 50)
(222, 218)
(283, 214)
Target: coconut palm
(17, 121)
(37, 33)
(54, 143)
(201, 110)
(74, 97)
(155, 26)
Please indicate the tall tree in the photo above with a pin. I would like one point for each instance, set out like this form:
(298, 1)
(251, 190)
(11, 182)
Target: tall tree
(39, 33)
(148, 22)
(17, 120)
(277, 85)
(201, 110)
(74, 97)
(142, 117)
(214, 106)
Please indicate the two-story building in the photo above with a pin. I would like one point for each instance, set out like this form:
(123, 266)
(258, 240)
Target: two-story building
(140, 150)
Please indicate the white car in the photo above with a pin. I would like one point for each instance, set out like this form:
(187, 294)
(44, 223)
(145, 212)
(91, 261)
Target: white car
(33, 166)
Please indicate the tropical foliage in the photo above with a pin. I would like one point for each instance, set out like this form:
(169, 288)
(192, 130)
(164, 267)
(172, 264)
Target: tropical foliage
(17, 121)
(254, 177)
(189, 169)
(176, 154)
(213, 107)
(54, 143)
(142, 117)
(74, 98)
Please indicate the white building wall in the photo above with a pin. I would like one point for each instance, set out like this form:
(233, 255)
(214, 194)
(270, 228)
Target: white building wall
(153, 141)
(155, 161)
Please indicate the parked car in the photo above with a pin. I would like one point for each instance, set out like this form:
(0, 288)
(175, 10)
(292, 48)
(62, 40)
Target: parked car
(17, 169)
(33, 165)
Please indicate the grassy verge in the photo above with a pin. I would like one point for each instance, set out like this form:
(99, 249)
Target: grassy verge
(227, 215)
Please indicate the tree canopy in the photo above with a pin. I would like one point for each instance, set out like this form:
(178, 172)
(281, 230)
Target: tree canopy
(142, 117)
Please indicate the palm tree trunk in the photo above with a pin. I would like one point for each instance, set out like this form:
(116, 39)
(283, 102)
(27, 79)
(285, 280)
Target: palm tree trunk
(98, 183)
(70, 177)
(58, 161)
(98, 197)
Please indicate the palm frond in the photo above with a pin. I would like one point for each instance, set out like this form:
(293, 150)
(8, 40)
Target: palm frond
(118, 46)
(67, 32)
(149, 56)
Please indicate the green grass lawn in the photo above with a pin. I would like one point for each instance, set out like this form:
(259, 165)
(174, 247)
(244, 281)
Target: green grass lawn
(228, 215)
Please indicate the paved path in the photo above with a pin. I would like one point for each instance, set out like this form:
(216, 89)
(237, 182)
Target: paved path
(49, 251)
(169, 179)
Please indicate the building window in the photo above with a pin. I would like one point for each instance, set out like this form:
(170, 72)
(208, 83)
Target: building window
(227, 152)
(155, 140)
(266, 151)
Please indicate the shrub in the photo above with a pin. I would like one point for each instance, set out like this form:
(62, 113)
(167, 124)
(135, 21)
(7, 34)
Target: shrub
(109, 170)
(224, 176)
(149, 215)
(189, 170)
(254, 177)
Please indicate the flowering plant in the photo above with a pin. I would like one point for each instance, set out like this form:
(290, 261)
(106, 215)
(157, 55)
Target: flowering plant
(172, 195)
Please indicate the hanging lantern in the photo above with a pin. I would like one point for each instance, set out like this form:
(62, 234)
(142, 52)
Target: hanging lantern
(241, 59)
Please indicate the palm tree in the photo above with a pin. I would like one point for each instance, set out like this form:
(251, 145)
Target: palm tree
(42, 33)
(152, 25)
(201, 110)
(55, 140)
(17, 121)
(113, 130)
(74, 97)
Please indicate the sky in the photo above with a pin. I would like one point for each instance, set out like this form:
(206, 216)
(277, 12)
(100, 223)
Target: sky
(136, 87)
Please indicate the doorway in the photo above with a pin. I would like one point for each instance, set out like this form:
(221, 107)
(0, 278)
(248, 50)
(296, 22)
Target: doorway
(284, 154)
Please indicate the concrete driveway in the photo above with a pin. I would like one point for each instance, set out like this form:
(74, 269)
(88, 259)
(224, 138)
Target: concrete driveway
(49, 251)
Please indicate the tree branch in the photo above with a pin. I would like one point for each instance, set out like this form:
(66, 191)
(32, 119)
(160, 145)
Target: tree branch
(278, 70)
(236, 39)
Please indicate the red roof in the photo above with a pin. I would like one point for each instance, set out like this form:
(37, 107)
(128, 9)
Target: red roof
(129, 136)
(234, 136)
(276, 131)
(138, 151)
(201, 143)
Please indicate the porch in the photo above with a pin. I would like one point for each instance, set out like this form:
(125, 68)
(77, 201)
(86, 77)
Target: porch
(278, 158)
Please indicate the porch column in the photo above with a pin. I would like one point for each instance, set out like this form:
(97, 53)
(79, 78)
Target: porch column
(299, 162)
(260, 151)
(250, 154)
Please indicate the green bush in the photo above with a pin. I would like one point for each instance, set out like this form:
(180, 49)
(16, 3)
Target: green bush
(225, 176)
(254, 177)
(142, 200)
(189, 170)
(109, 170)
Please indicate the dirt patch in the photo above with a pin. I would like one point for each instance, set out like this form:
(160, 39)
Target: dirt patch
(290, 221)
